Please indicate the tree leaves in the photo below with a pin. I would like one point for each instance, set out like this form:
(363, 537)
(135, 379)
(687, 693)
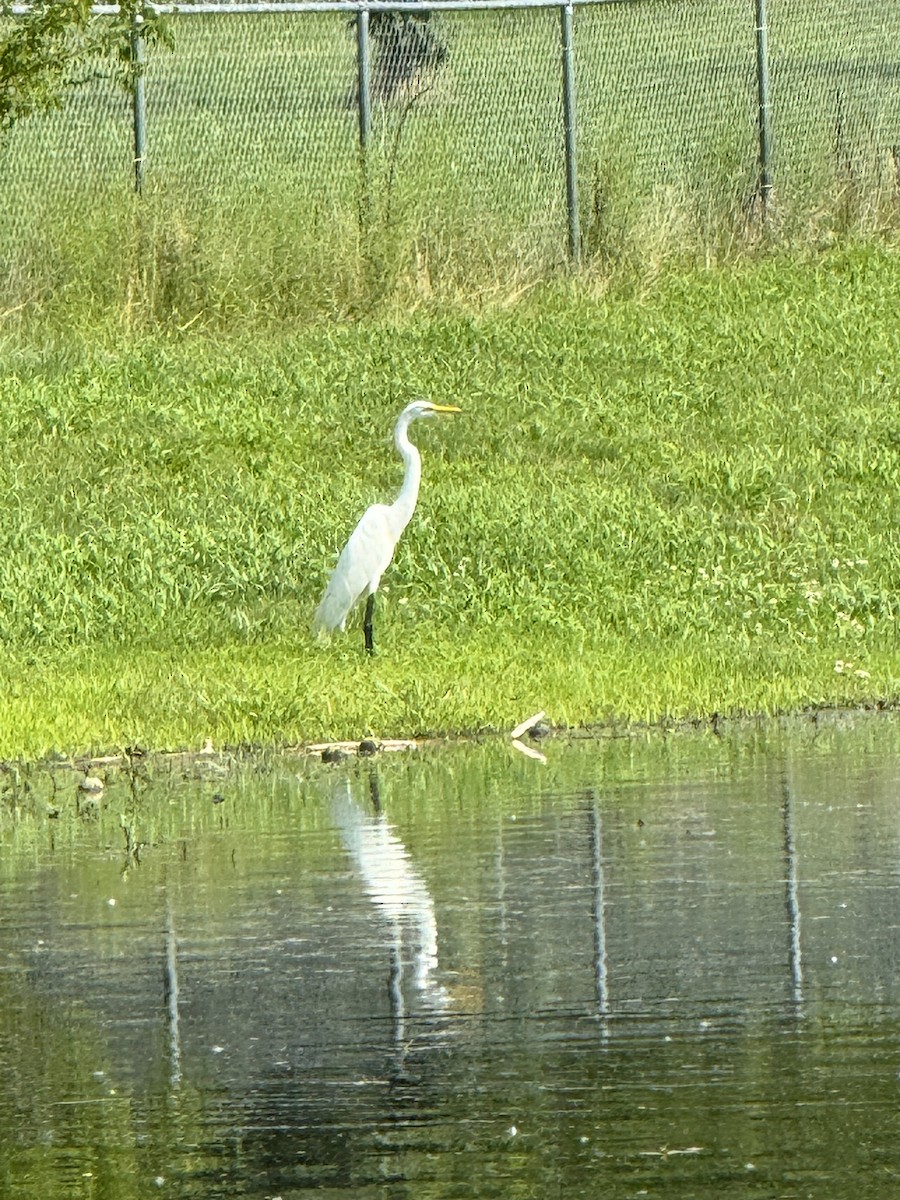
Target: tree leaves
(58, 44)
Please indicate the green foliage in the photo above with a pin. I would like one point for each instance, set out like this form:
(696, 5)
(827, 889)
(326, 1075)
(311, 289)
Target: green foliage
(133, 18)
(406, 47)
(665, 504)
(58, 44)
(41, 54)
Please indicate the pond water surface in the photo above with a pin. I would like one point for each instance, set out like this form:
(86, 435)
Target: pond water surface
(657, 965)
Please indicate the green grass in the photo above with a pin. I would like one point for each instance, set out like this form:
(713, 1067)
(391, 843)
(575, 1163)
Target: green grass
(255, 211)
(655, 505)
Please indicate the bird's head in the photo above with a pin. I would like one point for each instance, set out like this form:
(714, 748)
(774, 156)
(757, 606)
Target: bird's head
(425, 408)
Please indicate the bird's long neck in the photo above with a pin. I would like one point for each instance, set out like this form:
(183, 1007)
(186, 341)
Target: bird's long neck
(404, 506)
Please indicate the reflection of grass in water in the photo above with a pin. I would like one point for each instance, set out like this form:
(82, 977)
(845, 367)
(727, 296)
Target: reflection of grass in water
(278, 884)
(56, 1103)
(656, 505)
(70, 1124)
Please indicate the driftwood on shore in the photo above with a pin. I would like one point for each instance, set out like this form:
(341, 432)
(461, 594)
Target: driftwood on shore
(535, 726)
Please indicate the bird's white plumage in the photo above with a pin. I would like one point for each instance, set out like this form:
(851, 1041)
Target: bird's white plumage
(371, 546)
(363, 561)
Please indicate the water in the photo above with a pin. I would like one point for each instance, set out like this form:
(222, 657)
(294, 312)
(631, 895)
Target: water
(651, 966)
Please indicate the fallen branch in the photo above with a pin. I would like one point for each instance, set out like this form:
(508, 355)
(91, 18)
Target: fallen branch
(527, 724)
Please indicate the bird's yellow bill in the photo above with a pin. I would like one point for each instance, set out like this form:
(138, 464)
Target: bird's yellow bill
(445, 408)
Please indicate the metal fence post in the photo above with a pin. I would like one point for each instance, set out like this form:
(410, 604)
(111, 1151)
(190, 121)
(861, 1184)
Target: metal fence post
(565, 15)
(362, 75)
(765, 123)
(364, 111)
(138, 99)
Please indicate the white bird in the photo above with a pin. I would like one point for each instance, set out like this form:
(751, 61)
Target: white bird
(372, 543)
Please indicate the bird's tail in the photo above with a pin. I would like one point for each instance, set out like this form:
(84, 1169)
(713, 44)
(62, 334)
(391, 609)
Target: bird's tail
(332, 611)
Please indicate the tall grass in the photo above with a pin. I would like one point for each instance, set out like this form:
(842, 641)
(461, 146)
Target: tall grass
(256, 210)
(663, 504)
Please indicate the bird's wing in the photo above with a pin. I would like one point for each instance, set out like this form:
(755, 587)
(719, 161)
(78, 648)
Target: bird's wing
(362, 563)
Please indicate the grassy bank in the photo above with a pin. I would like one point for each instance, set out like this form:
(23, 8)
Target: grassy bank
(670, 504)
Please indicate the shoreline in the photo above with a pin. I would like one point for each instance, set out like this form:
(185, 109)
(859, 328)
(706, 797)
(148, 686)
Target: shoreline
(368, 747)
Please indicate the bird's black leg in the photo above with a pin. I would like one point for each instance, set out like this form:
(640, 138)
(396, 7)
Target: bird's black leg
(367, 623)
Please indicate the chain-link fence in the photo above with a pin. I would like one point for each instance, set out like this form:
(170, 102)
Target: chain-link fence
(250, 139)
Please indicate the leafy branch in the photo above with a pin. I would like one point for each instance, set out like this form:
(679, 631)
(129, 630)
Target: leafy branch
(57, 45)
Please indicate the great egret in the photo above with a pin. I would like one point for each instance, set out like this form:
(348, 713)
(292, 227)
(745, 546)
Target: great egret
(372, 543)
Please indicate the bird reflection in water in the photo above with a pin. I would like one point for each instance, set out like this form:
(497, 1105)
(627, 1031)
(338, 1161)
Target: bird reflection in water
(401, 896)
